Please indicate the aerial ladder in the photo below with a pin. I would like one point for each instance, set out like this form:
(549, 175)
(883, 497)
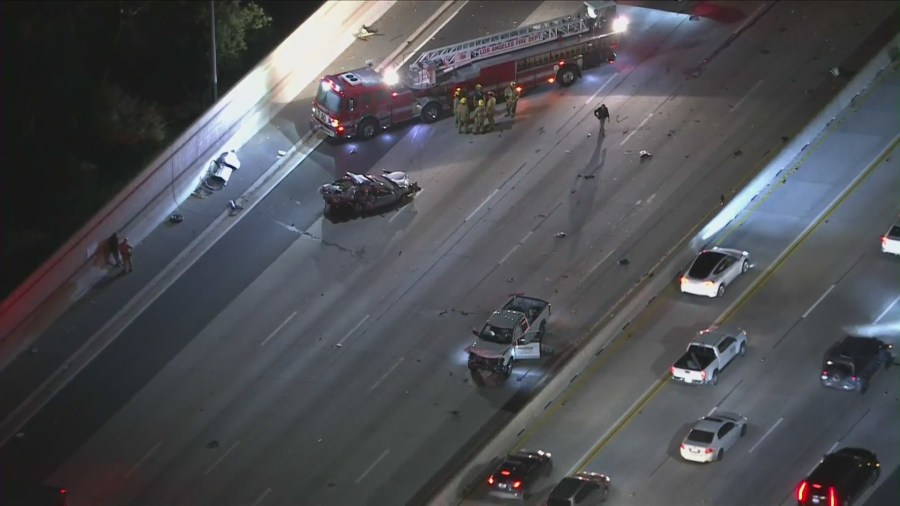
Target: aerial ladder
(450, 57)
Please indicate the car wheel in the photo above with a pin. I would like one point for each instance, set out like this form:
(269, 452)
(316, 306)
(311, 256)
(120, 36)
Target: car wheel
(715, 378)
(887, 360)
(431, 112)
(743, 349)
(743, 430)
(542, 330)
(549, 469)
(566, 76)
(745, 266)
(863, 386)
(368, 129)
(605, 495)
(721, 291)
(507, 369)
(720, 454)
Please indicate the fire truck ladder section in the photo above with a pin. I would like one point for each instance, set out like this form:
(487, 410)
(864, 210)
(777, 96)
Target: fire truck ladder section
(493, 45)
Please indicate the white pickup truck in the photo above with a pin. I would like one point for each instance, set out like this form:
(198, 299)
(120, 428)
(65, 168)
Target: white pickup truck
(708, 354)
(512, 333)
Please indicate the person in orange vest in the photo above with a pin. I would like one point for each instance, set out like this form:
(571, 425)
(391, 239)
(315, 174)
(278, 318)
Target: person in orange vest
(126, 251)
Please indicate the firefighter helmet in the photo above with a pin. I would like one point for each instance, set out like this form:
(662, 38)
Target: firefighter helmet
(481, 103)
(462, 100)
(477, 86)
(512, 84)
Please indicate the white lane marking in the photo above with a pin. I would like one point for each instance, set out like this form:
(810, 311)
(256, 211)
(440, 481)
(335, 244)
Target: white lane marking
(766, 434)
(713, 410)
(289, 318)
(261, 497)
(883, 313)
(588, 101)
(636, 129)
(404, 208)
(358, 325)
(650, 198)
(289, 227)
(139, 462)
(598, 264)
(514, 248)
(833, 446)
(816, 303)
(220, 459)
(385, 375)
(415, 51)
(741, 101)
(488, 199)
(369, 469)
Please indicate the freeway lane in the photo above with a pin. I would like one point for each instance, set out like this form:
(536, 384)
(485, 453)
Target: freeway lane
(835, 281)
(262, 406)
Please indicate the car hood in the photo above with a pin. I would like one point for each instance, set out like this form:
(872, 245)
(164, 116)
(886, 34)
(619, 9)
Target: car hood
(487, 349)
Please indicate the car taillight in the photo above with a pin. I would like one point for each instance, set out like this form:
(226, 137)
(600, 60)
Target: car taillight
(491, 480)
(682, 446)
(852, 378)
(672, 370)
(824, 374)
(708, 451)
(684, 279)
(884, 240)
(504, 472)
(517, 484)
(832, 497)
(703, 375)
(801, 491)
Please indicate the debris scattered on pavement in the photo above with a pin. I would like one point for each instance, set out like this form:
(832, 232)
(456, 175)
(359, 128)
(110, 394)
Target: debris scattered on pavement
(510, 280)
(560, 235)
(590, 176)
(589, 134)
(784, 138)
(645, 155)
(671, 133)
(339, 345)
(624, 261)
(176, 218)
(738, 153)
(722, 200)
(212, 444)
(835, 71)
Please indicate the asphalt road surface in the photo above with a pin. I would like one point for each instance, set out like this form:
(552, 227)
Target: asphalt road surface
(626, 419)
(307, 362)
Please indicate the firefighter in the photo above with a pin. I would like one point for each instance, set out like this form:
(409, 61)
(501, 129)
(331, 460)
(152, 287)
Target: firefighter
(479, 117)
(479, 95)
(490, 110)
(511, 94)
(456, 96)
(462, 116)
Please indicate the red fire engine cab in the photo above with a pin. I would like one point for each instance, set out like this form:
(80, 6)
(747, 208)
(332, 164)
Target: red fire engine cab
(362, 102)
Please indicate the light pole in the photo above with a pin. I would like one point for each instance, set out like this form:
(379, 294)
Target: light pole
(212, 38)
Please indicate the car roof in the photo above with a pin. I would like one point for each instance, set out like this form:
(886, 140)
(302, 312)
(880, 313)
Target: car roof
(854, 347)
(709, 423)
(504, 319)
(705, 263)
(834, 469)
(570, 485)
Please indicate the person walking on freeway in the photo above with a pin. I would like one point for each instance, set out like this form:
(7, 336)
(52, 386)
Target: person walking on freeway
(602, 113)
(112, 245)
(126, 251)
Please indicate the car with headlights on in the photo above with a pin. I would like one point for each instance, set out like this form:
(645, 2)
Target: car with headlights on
(839, 479)
(713, 270)
(517, 474)
(584, 488)
(711, 436)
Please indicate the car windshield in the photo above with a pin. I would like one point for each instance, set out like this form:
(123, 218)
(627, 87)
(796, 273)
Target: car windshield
(704, 264)
(328, 99)
(700, 436)
(496, 334)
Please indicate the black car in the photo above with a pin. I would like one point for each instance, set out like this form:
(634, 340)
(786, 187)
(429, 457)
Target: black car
(851, 363)
(581, 489)
(518, 473)
(840, 478)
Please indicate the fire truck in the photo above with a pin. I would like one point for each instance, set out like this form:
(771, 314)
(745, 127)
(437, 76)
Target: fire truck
(362, 102)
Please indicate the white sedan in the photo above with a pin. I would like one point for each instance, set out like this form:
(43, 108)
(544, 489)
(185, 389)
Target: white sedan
(890, 241)
(712, 436)
(713, 270)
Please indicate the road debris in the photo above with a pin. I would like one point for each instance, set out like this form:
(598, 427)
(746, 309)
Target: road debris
(560, 235)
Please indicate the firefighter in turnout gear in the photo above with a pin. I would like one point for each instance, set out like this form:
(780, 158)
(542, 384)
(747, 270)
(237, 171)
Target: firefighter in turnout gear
(511, 94)
(479, 95)
(490, 109)
(462, 116)
(479, 117)
(456, 96)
